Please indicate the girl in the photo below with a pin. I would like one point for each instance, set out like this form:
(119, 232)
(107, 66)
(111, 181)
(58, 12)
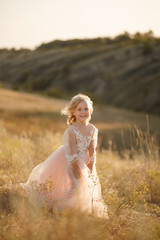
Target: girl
(68, 177)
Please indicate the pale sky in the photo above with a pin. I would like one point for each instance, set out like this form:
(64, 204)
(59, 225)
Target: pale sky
(28, 23)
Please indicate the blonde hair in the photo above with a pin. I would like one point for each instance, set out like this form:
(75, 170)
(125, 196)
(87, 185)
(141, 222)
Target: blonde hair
(71, 107)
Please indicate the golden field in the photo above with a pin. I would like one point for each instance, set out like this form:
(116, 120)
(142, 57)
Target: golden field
(31, 128)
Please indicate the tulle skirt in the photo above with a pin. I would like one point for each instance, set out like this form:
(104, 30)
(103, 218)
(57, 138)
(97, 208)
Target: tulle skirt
(53, 184)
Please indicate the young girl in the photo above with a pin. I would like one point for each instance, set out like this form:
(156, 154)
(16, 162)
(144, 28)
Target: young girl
(68, 177)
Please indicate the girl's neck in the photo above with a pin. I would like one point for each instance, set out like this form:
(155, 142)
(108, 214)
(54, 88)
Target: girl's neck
(81, 124)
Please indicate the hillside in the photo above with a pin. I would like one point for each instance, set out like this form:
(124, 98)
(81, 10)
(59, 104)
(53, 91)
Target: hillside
(26, 114)
(123, 72)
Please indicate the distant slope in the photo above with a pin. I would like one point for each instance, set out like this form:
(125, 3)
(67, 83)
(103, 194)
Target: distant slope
(32, 115)
(124, 71)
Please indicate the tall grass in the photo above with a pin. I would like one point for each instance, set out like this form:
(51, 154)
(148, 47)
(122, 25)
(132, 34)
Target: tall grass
(131, 190)
(145, 144)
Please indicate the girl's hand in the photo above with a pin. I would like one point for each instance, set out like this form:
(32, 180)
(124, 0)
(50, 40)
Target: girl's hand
(90, 166)
(76, 170)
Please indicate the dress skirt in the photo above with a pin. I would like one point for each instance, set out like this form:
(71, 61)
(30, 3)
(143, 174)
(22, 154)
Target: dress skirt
(53, 184)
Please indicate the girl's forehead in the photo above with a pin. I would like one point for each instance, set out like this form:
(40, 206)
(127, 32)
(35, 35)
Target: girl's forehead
(83, 104)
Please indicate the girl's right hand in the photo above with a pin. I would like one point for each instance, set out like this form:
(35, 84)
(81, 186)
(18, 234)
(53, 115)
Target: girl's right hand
(76, 170)
(90, 166)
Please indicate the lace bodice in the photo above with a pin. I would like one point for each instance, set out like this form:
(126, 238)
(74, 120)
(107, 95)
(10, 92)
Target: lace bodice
(80, 144)
(83, 142)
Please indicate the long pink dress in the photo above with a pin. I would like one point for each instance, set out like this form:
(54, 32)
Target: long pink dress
(52, 183)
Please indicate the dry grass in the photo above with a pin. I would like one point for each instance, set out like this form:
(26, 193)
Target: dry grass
(131, 189)
(130, 186)
(16, 101)
(36, 114)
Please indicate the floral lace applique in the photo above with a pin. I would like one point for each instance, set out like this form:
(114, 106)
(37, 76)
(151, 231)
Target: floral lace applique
(93, 158)
(83, 145)
(83, 142)
(71, 158)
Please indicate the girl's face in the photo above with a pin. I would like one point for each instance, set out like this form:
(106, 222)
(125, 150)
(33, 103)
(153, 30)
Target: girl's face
(82, 112)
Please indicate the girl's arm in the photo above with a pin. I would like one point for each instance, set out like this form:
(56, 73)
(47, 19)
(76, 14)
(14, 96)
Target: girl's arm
(92, 149)
(72, 156)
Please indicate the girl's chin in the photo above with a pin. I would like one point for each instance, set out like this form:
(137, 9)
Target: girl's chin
(83, 120)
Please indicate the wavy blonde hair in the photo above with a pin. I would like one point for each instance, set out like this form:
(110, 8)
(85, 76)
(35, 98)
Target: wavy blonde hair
(71, 107)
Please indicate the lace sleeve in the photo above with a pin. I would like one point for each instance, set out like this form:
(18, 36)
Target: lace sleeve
(71, 145)
(93, 145)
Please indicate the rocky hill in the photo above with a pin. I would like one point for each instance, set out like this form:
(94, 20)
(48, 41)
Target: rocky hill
(124, 71)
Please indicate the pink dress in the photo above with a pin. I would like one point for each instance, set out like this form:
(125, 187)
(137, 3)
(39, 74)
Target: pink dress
(53, 184)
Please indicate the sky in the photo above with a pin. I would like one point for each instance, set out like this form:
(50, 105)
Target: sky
(29, 23)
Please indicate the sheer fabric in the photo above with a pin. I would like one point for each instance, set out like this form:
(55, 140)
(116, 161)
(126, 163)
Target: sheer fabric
(53, 182)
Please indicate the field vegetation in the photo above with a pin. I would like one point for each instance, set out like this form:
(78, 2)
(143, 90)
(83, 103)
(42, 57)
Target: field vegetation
(31, 128)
